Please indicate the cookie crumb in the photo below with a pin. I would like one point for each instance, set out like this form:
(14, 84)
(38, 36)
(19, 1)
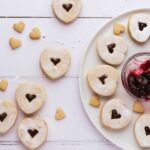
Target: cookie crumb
(94, 101)
(35, 34)
(3, 85)
(15, 43)
(138, 107)
(118, 28)
(19, 27)
(60, 114)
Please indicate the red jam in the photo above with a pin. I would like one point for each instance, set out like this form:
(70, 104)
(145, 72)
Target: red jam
(139, 80)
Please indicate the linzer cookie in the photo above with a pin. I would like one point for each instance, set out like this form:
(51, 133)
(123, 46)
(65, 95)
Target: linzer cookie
(8, 115)
(30, 97)
(142, 130)
(112, 49)
(139, 27)
(32, 132)
(115, 115)
(103, 80)
(68, 10)
(55, 62)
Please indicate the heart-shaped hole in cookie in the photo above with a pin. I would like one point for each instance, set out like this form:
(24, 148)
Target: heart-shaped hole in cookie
(111, 47)
(147, 130)
(55, 61)
(3, 116)
(142, 25)
(30, 97)
(115, 114)
(33, 132)
(67, 7)
(102, 78)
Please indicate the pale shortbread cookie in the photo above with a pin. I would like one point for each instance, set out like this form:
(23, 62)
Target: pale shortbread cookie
(55, 62)
(115, 115)
(32, 132)
(142, 130)
(118, 28)
(67, 10)
(30, 97)
(19, 27)
(8, 115)
(139, 27)
(112, 49)
(103, 80)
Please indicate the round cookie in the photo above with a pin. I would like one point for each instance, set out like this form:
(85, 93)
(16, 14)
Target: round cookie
(30, 97)
(103, 80)
(142, 130)
(8, 115)
(139, 27)
(32, 132)
(115, 115)
(67, 10)
(112, 49)
(55, 62)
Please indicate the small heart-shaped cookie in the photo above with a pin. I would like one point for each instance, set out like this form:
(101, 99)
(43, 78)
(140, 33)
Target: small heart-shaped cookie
(94, 101)
(68, 10)
(139, 27)
(142, 130)
(115, 115)
(112, 49)
(3, 85)
(138, 107)
(35, 34)
(55, 62)
(30, 97)
(32, 132)
(118, 28)
(60, 114)
(14, 43)
(19, 27)
(8, 115)
(103, 80)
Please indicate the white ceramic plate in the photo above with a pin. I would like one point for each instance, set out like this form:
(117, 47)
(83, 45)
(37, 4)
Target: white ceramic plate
(125, 138)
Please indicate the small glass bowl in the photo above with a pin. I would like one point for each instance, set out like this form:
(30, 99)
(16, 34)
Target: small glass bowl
(131, 64)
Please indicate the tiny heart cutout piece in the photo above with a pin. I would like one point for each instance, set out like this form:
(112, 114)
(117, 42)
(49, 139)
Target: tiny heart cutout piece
(55, 61)
(30, 97)
(14, 43)
(147, 130)
(59, 114)
(118, 28)
(67, 7)
(19, 27)
(115, 114)
(35, 33)
(33, 132)
(3, 116)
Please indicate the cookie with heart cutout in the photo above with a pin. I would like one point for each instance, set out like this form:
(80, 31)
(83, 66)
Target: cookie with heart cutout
(30, 97)
(139, 27)
(115, 115)
(67, 10)
(142, 130)
(32, 132)
(112, 49)
(55, 62)
(103, 80)
(8, 115)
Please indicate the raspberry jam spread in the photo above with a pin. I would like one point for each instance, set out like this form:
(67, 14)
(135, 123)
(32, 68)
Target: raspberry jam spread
(139, 80)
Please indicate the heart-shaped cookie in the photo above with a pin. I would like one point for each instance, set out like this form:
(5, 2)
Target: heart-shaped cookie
(8, 115)
(115, 115)
(139, 27)
(19, 27)
(15, 43)
(112, 49)
(60, 114)
(95, 101)
(68, 10)
(118, 28)
(142, 130)
(35, 34)
(103, 80)
(30, 97)
(55, 62)
(32, 132)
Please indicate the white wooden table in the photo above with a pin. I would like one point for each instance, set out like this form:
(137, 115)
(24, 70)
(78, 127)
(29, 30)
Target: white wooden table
(76, 131)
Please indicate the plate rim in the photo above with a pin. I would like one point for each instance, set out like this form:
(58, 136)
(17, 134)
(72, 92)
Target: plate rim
(136, 10)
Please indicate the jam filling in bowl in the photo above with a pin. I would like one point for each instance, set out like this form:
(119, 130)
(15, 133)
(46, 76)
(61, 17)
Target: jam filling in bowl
(136, 76)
